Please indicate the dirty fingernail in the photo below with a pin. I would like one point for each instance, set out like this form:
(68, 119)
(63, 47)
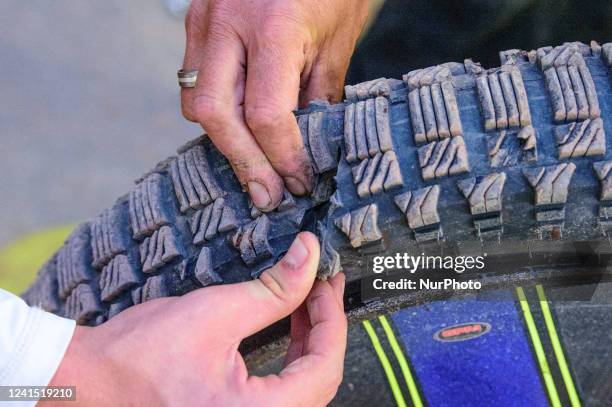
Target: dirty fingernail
(295, 186)
(259, 194)
(297, 254)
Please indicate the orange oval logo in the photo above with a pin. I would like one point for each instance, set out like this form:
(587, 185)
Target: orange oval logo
(462, 332)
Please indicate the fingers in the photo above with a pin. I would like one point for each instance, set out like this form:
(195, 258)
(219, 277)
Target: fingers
(300, 322)
(300, 326)
(275, 62)
(256, 304)
(338, 283)
(195, 30)
(217, 104)
(314, 378)
(327, 336)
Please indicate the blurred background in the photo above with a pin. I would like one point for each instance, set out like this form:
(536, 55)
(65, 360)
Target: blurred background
(89, 102)
(89, 99)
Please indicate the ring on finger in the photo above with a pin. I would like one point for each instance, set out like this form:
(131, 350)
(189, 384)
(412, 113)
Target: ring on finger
(187, 78)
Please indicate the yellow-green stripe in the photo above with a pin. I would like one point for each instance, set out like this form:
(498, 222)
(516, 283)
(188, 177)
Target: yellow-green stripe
(539, 349)
(386, 365)
(558, 349)
(401, 360)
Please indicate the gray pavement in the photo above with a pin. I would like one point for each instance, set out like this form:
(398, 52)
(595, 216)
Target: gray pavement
(88, 102)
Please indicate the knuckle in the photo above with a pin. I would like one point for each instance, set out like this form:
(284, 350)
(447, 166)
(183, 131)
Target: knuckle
(282, 19)
(278, 39)
(261, 119)
(271, 32)
(277, 288)
(209, 110)
(334, 385)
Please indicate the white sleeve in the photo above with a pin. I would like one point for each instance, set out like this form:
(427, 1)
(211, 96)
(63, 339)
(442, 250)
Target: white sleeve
(32, 342)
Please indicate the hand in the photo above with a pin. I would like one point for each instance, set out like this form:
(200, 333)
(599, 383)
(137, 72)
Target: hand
(183, 351)
(256, 60)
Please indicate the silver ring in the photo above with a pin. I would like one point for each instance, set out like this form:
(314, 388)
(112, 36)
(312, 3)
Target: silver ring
(187, 78)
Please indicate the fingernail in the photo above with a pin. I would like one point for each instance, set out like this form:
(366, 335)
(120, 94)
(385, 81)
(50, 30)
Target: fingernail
(259, 194)
(295, 186)
(297, 254)
(343, 286)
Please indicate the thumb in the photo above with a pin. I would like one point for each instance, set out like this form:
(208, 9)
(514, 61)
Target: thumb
(253, 305)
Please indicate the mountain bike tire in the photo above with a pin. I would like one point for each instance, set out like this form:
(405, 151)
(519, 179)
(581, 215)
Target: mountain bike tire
(513, 161)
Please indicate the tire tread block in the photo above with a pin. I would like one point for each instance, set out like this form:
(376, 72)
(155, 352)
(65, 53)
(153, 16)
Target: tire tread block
(420, 206)
(108, 236)
(159, 249)
(551, 183)
(432, 104)
(83, 304)
(378, 174)
(43, 293)
(367, 130)
(313, 127)
(602, 169)
(484, 193)
(443, 158)
(215, 218)
(74, 261)
(154, 287)
(569, 82)
(251, 241)
(204, 271)
(118, 276)
(367, 90)
(361, 225)
(579, 139)
(147, 207)
(502, 96)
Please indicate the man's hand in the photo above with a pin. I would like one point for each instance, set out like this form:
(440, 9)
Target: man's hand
(256, 60)
(184, 351)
